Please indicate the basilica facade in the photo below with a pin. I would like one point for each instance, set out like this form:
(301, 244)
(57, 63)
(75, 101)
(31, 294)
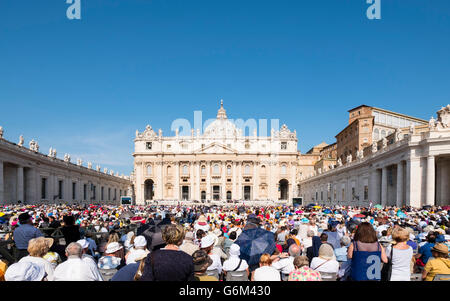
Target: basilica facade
(219, 164)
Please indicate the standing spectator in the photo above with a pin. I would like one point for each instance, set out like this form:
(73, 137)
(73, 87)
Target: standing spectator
(74, 268)
(70, 231)
(37, 248)
(313, 251)
(366, 254)
(265, 272)
(402, 255)
(302, 271)
(440, 264)
(169, 263)
(23, 234)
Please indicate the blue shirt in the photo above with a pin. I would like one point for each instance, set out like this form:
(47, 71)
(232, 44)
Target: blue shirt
(425, 250)
(341, 254)
(126, 273)
(23, 234)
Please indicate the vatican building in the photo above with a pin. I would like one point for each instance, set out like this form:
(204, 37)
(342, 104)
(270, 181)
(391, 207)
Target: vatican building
(220, 164)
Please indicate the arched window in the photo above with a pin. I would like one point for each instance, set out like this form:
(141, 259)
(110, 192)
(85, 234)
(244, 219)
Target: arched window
(383, 133)
(149, 169)
(247, 169)
(185, 170)
(216, 170)
(283, 169)
(376, 135)
(203, 170)
(169, 170)
(228, 170)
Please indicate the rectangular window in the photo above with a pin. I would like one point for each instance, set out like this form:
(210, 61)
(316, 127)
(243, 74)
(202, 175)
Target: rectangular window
(109, 194)
(115, 194)
(43, 188)
(74, 189)
(283, 145)
(84, 192)
(60, 189)
(102, 193)
(148, 145)
(366, 193)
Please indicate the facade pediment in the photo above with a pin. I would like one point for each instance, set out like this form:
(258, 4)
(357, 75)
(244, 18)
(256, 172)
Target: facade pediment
(216, 148)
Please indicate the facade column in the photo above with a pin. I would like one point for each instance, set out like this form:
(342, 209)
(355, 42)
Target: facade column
(430, 192)
(20, 184)
(208, 180)
(2, 189)
(399, 184)
(233, 189)
(384, 186)
(239, 192)
(223, 181)
(197, 195)
(191, 180)
(176, 188)
(373, 187)
(255, 181)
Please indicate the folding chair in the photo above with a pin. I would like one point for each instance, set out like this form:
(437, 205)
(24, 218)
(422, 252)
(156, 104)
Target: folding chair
(442, 277)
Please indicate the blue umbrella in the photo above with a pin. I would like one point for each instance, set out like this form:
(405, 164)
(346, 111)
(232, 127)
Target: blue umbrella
(254, 243)
(327, 211)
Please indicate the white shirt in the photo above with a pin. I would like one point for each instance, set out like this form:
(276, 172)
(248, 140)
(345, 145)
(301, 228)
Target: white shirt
(284, 265)
(48, 267)
(93, 265)
(136, 253)
(266, 273)
(74, 269)
(401, 263)
(332, 266)
(232, 263)
(216, 264)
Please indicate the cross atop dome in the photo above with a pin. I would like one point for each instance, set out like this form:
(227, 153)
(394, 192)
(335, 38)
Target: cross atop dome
(221, 113)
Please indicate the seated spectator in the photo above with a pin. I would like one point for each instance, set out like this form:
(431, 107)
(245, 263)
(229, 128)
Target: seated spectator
(138, 251)
(229, 241)
(234, 263)
(286, 265)
(89, 259)
(25, 271)
(266, 272)
(188, 246)
(425, 251)
(302, 271)
(440, 264)
(201, 263)
(169, 263)
(3, 268)
(112, 258)
(326, 261)
(38, 248)
(207, 245)
(341, 253)
(74, 268)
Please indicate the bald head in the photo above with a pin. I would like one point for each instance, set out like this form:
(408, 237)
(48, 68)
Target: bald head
(294, 250)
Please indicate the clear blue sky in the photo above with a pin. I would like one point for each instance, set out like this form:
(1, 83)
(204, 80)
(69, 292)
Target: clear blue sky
(85, 86)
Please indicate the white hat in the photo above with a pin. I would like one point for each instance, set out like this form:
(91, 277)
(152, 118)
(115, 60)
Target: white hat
(140, 241)
(84, 243)
(207, 241)
(235, 250)
(113, 247)
(25, 271)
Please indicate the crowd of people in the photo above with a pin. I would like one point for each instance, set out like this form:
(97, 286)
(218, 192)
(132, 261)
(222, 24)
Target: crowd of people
(223, 243)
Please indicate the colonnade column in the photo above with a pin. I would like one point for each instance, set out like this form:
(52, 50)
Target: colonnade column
(430, 180)
(384, 186)
(399, 184)
(1, 183)
(445, 189)
(20, 184)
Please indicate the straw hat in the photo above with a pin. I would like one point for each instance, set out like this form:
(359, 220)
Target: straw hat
(440, 248)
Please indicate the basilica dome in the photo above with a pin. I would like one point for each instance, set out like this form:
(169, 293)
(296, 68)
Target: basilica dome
(221, 127)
